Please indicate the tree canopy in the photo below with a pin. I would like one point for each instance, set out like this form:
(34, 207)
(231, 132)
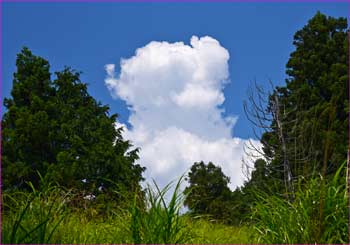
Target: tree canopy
(208, 192)
(56, 128)
(313, 105)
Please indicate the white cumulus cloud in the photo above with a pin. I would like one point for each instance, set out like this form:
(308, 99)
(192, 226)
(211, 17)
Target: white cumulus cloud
(174, 92)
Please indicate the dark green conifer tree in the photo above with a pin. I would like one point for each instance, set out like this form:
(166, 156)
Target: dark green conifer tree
(56, 128)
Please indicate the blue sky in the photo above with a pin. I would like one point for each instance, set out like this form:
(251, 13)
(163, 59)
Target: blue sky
(87, 36)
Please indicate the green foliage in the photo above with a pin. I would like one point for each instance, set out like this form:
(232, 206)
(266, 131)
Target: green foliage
(45, 217)
(160, 222)
(55, 127)
(313, 103)
(244, 198)
(308, 136)
(317, 215)
(33, 217)
(208, 193)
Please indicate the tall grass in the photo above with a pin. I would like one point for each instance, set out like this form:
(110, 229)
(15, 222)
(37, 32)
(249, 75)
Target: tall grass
(159, 222)
(44, 216)
(33, 217)
(317, 215)
(206, 232)
(80, 228)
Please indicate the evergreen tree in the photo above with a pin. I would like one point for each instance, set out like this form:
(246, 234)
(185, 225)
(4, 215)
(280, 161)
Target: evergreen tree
(313, 104)
(315, 89)
(305, 121)
(57, 129)
(208, 193)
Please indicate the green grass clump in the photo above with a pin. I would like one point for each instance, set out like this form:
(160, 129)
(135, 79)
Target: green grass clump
(159, 222)
(33, 217)
(317, 215)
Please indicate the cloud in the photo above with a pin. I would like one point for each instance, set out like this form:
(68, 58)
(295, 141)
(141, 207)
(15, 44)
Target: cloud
(174, 92)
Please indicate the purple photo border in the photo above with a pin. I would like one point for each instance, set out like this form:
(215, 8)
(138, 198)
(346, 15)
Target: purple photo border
(129, 1)
(1, 100)
(179, 1)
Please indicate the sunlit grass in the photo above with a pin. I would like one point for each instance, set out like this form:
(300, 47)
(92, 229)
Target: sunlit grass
(45, 217)
(317, 215)
(34, 217)
(206, 232)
